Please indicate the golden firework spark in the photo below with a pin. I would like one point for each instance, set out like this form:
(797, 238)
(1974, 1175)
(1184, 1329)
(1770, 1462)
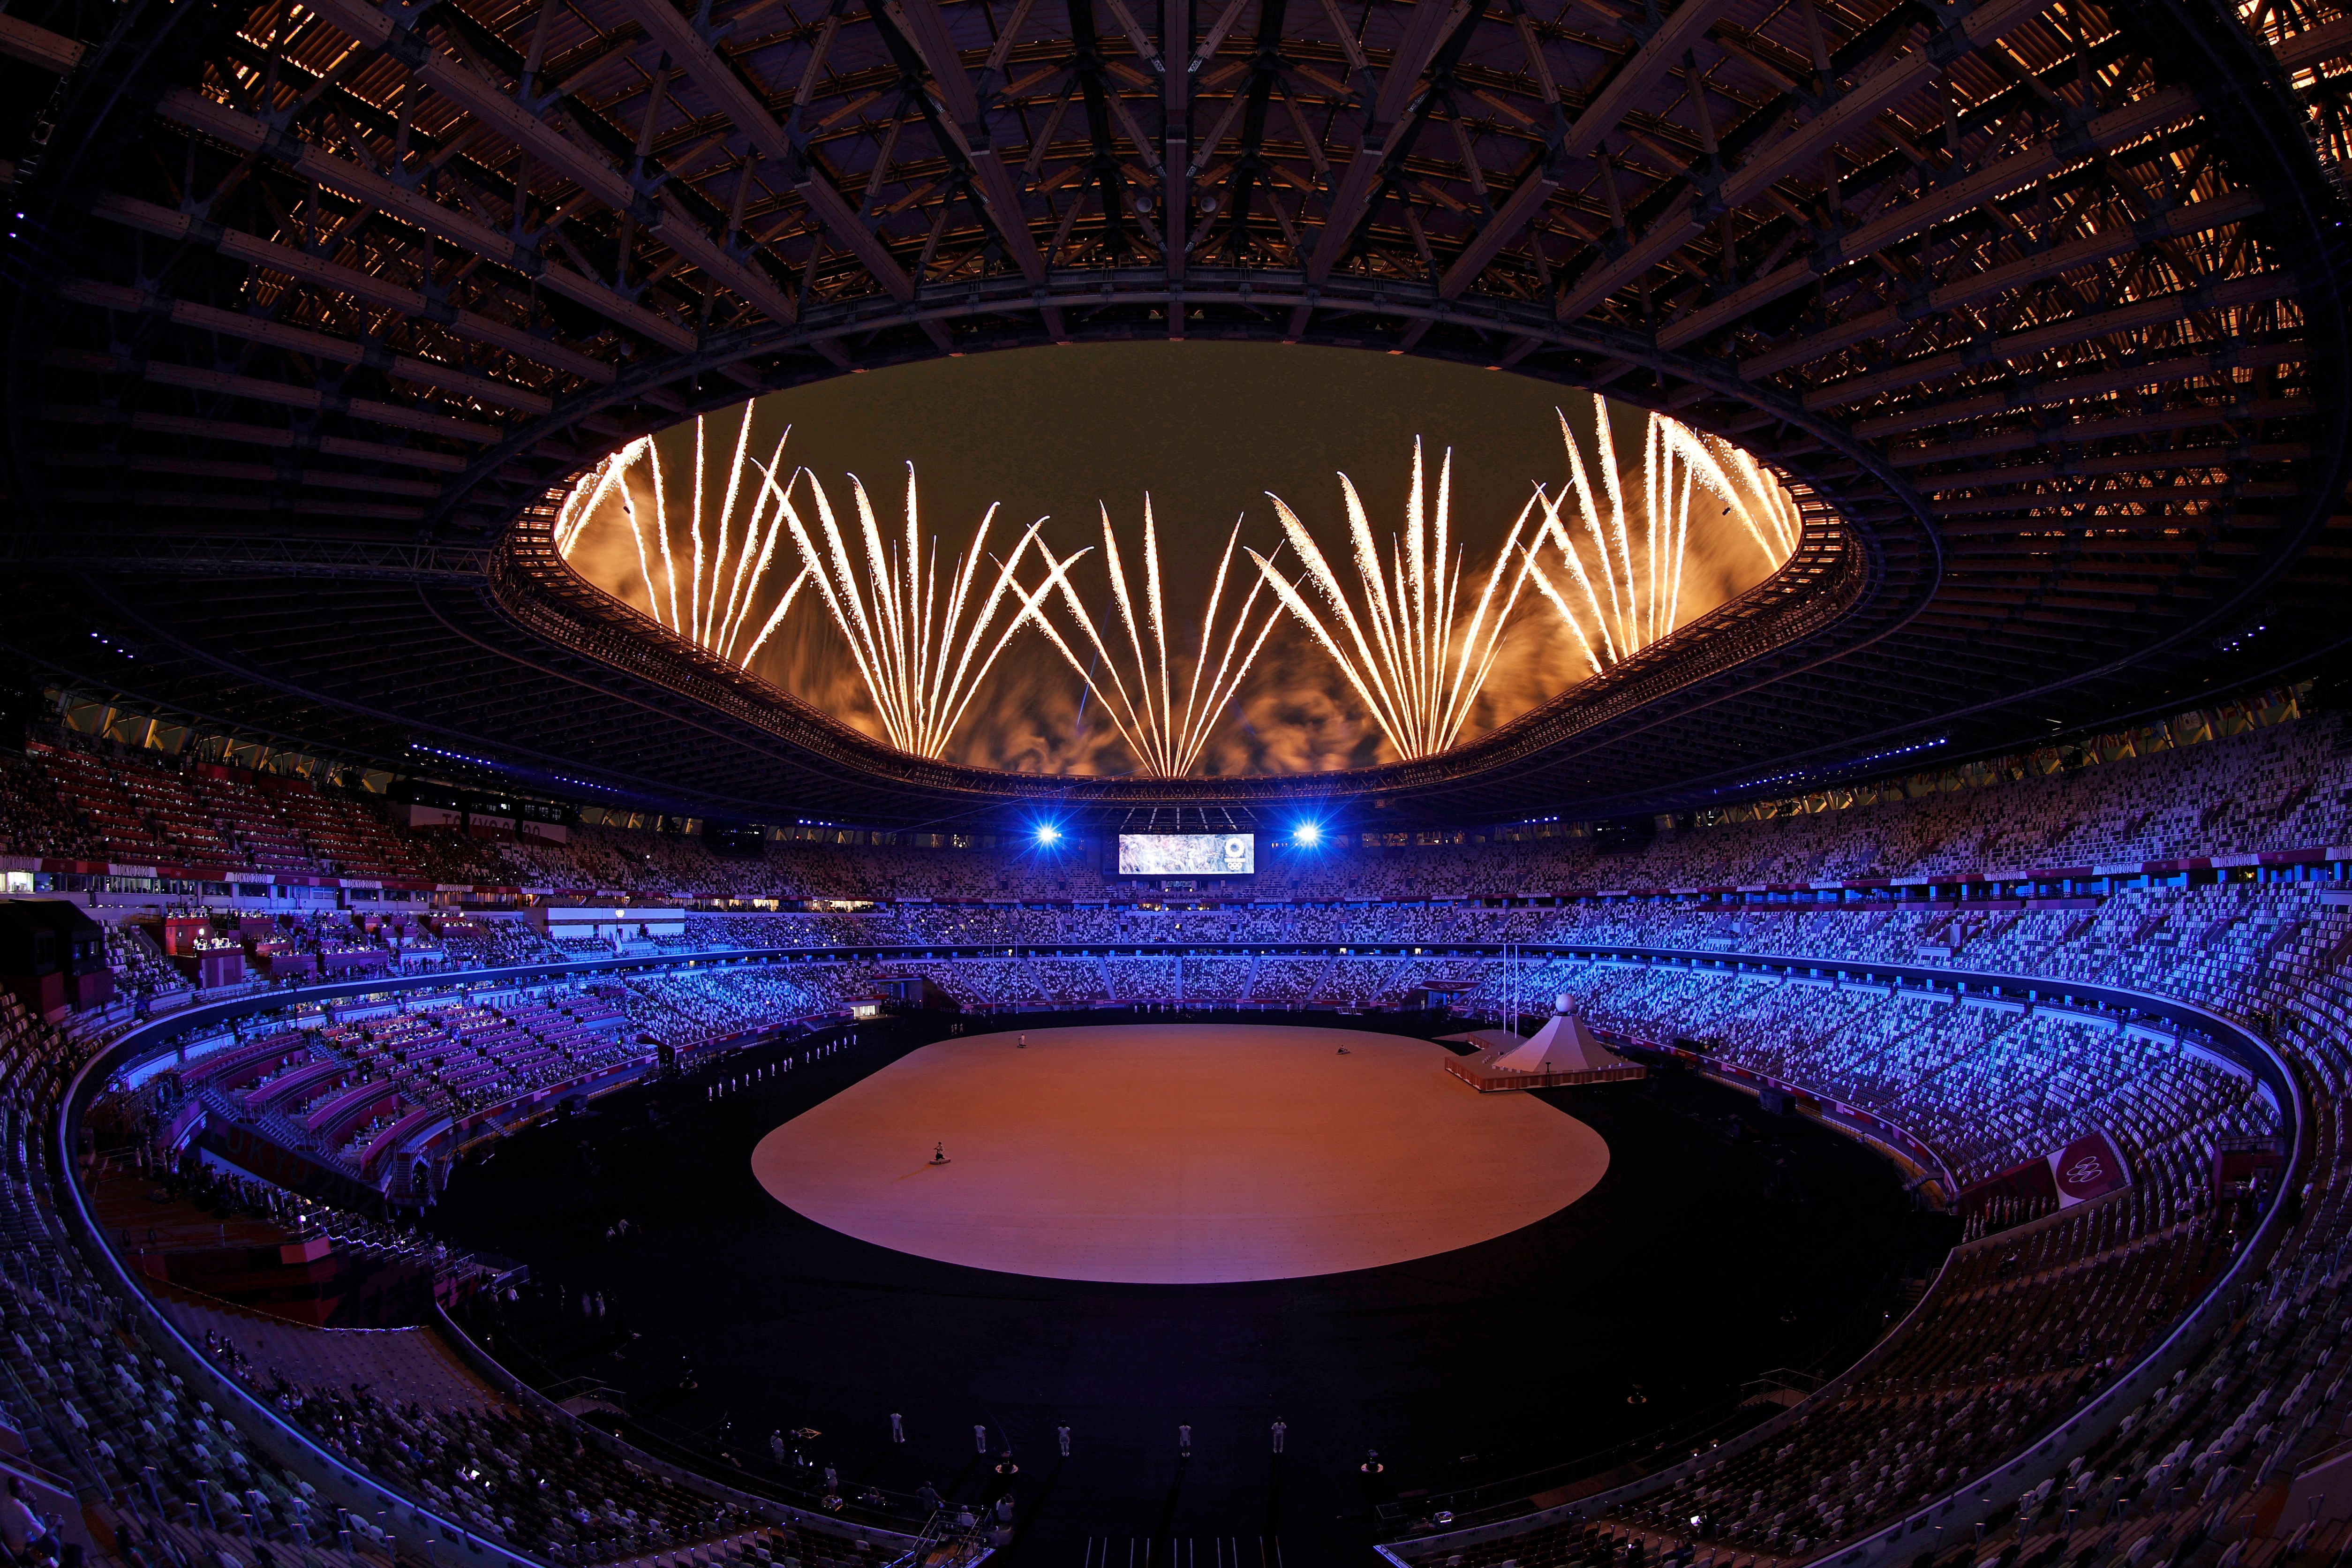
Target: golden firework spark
(1166, 739)
(913, 650)
(1608, 550)
(731, 573)
(1635, 606)
(1417, 669)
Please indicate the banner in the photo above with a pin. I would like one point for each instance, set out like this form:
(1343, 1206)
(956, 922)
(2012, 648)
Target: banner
(2090, 1167)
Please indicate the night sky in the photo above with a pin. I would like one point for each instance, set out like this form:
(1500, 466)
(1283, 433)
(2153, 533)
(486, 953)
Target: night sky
(1207, 428)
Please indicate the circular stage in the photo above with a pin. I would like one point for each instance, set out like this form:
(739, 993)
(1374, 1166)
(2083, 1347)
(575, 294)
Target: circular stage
(1176, 1154)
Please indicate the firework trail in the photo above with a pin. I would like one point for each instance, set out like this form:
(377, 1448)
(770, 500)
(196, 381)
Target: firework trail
(1633, 607)
(1406, 652)
(913, 650)
(731, 573)
(1607, 551)
(1165, 737)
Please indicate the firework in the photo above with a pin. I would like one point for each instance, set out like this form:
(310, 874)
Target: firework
(1166, 738)
(581, 502)
(913, 649)
(1635, 605)
(1607, 549)
(1413, 664)
(730, 571)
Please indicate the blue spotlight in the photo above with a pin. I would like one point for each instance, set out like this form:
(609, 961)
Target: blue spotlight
(1049, 835)
(1306, 834)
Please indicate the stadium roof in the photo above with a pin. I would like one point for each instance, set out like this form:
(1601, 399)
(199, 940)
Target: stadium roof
(311, 309)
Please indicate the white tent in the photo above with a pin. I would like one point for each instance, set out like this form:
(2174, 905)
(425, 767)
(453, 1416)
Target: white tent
(1562, 1045)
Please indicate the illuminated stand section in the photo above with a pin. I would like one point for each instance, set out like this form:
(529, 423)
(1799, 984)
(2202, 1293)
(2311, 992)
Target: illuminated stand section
(1564, 1051)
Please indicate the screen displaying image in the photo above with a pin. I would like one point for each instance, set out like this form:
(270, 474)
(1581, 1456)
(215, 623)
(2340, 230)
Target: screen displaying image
(1187, 854)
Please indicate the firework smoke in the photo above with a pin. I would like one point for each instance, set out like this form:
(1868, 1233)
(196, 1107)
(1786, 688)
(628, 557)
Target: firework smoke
(1166, 739)
(1634, 606)
(913, 650)
(1417, 669)
(719, 602)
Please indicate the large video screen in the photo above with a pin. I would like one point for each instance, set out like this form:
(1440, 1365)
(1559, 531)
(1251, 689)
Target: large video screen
(1188, 853)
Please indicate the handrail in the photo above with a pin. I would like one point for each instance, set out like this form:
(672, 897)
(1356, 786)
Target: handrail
(350, 1490)
(346, 1487)
(2221, 1035)
(1984, 1494)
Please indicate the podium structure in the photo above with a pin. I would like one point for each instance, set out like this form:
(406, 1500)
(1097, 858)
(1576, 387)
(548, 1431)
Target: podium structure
(1564, 1051)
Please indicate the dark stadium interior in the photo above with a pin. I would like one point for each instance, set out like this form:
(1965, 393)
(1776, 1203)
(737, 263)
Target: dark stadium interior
(1945, 916)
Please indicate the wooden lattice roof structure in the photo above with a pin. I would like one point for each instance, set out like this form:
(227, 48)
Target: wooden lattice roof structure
(312, 308)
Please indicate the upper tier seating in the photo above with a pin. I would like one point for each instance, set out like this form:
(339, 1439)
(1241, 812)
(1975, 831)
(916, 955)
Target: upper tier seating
(2278, 788)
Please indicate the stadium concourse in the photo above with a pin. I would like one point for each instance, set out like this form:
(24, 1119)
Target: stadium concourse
(2155, 1374)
